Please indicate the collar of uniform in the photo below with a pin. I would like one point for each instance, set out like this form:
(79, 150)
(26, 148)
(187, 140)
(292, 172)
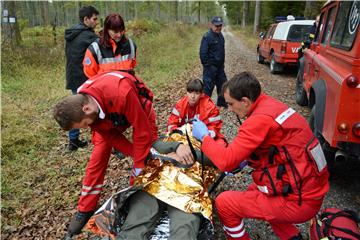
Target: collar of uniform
(253, 106)
(101, 112)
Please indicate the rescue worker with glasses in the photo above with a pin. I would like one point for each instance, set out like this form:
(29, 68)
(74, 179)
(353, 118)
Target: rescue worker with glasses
(290, 173)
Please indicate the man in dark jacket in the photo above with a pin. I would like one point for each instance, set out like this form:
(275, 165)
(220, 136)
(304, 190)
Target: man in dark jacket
(212, 55)
(78, 38)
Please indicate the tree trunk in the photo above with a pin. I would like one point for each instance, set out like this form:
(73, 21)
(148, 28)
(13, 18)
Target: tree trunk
(310, 9)
(257, 16)
(10, 29)
(245, 13)
(199, 12)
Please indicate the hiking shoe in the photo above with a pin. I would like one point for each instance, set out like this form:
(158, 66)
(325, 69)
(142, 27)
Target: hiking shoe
(74, 144)
(78, 222)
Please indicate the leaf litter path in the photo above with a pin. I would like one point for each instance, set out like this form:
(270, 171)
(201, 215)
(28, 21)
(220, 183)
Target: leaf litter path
(50, 222)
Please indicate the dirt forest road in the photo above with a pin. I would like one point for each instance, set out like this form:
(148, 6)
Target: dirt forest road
(345, 183)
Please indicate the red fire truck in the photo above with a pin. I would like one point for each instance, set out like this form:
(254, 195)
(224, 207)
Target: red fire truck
(328, 80)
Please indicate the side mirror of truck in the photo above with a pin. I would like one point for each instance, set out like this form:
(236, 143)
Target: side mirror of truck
(261, 35)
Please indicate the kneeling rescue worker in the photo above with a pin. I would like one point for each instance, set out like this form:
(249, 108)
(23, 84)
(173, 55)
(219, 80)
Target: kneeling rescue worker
(290, 173)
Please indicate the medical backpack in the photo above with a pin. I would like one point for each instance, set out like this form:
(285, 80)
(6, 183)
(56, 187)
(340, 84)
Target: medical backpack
(335, 224)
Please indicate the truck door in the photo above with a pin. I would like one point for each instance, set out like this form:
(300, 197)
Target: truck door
(268, 38)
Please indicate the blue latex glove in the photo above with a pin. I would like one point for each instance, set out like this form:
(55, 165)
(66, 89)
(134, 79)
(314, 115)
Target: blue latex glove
(199, 130)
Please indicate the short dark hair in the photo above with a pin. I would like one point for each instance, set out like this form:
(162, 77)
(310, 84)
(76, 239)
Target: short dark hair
(243, 84)
(113, 22)
(195, 85)
(87, 11)
(69, 111)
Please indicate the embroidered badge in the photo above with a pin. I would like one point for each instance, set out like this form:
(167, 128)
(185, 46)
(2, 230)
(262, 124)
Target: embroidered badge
(87, 61)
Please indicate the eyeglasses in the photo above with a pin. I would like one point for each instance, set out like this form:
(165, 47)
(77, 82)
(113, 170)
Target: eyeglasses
(218, 26)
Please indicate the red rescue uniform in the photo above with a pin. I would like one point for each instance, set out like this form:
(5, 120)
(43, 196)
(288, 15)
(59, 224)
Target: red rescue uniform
(290, 174)
(205, 110)
(120, 56)
(122, 103)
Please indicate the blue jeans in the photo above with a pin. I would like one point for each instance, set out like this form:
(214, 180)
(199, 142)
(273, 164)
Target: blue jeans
(74, 133)
(214, 76)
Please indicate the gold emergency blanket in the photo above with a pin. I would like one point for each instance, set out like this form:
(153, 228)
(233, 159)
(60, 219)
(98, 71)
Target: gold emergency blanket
(183, 188)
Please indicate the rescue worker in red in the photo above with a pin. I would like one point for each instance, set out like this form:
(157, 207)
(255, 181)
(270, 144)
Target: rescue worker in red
(290, 173)
(109, 104)
(196, 104)
(113, 52)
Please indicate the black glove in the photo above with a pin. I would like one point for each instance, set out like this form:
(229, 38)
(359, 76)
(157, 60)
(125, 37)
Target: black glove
(78, 222)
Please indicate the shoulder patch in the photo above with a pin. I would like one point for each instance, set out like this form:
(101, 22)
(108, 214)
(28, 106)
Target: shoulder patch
(87, 61)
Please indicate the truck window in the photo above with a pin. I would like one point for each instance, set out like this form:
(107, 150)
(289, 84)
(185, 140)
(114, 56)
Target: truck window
(297, 33)
(328, 25)
(346, 25)
(320, 28)
(268, 33)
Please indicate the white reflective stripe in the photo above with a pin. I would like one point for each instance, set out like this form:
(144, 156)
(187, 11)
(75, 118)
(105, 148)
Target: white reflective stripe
(132, 47)
(97, 51)
(284, 115)
(89, 187)
(175, 112)
(214, 119)
(234, 229)
(263, 189)
(115, 59)
(170, 127)
(212, 133)
(237, 235)
(95, 192)
(86, 82)
(115, 74)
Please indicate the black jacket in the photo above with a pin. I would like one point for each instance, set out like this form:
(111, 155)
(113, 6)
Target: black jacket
(212, 49)
(77, 38)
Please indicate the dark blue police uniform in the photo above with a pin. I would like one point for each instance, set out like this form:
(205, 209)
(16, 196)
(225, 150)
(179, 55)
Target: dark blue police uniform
(212, 55)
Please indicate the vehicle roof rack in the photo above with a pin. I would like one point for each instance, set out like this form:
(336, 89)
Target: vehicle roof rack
(288, 18)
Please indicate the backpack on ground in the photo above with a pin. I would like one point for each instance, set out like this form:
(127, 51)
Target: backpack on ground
(335, 224)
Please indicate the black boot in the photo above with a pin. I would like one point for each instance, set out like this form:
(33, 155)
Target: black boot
(74, 144)
(297, 237)
(78, 222)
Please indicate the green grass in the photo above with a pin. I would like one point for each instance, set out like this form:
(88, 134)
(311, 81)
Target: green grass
(36, 172)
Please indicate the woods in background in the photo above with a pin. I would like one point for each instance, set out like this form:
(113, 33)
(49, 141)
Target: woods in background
(65, 13)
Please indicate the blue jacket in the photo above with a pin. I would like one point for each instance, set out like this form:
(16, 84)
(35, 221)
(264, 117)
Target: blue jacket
(212, 49)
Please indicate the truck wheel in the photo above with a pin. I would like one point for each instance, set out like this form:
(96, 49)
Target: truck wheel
(259, 58)
(274, 66)
(329, 151)
(301, 98)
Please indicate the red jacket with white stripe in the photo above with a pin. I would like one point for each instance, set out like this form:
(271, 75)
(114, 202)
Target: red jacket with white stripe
(274, 129)
(205, 110)
(124, 101)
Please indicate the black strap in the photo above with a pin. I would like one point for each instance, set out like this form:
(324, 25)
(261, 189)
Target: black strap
(239, 120)
(330, 217)
(266, 171)
(294, 172)
(191, 146)
(272, 152)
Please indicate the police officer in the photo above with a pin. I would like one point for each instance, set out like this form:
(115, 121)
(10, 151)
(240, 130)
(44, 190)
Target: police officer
(212, 55)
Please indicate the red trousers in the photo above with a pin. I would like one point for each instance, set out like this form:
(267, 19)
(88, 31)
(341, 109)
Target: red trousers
(280, 212)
